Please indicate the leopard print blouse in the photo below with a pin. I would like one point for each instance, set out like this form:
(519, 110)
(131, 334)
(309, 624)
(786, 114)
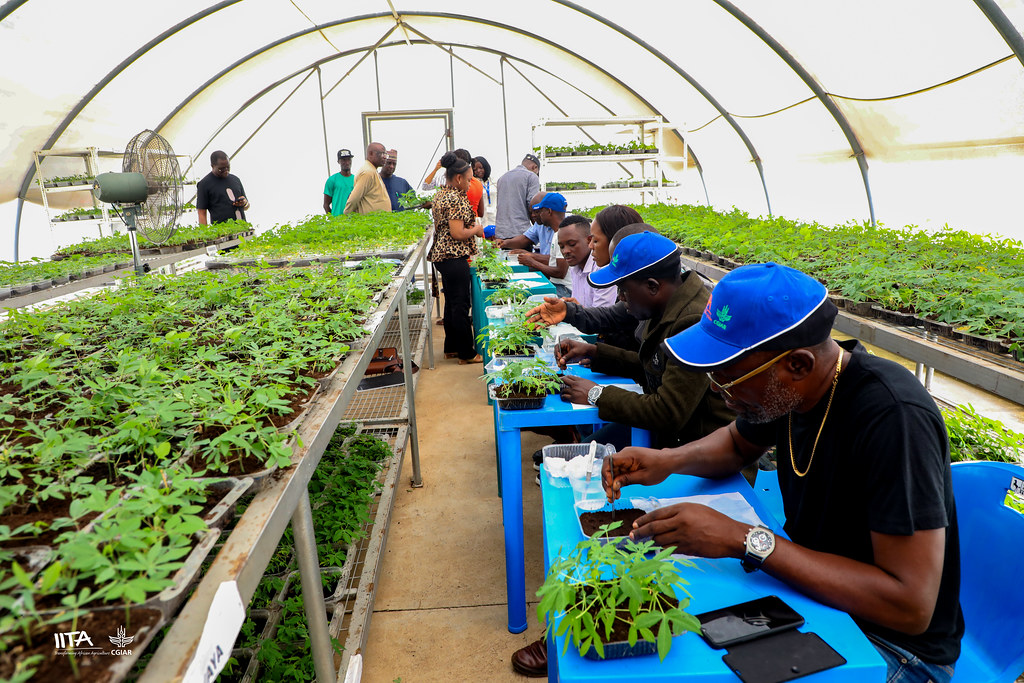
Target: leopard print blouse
(450, 204)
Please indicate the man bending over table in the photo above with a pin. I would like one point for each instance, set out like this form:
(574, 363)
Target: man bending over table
(863, 468)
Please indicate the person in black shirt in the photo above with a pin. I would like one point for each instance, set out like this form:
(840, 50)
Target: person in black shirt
(220, 195)
(863, 468)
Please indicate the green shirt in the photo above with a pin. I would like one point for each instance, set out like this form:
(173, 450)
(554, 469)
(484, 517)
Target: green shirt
(338, 188)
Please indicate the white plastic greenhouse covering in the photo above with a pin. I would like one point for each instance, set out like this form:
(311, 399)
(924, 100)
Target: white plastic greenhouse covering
(902, 111)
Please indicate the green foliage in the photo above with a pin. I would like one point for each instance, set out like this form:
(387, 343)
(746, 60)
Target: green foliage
(527, 377)
(515, 336)
(39, 269)
(192, 235)
(325, 235)
(967, 280)
(598, 584)
(976, 437)
(411, 200)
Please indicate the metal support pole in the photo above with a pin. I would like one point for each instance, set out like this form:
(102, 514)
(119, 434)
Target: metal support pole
(323, 120)
(504, 111)
(312, 590)
(428, 322)
(403, 326)
(17, 227)
(451, 74)
(376, 77)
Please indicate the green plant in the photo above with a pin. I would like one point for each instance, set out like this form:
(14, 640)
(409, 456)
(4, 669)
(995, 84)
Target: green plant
(599, 586)
(512, 293)
(411, 200)
(975, 437)
(533, 377)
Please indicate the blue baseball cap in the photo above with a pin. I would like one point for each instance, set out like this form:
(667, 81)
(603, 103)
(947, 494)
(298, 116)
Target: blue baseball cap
(633, 254)
(760, 307)
(553, 201)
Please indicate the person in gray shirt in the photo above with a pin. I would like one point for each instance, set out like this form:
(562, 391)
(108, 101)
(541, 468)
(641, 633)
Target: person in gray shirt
(515, 189)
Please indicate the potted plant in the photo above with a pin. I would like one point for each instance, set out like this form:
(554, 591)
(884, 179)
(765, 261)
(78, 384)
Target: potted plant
(523, 384)
(512, 339)
(511, 293)
(613, 601)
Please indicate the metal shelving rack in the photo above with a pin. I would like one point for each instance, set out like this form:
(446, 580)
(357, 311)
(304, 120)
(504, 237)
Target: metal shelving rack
(285, 499)
(650, 164)
(90, 157)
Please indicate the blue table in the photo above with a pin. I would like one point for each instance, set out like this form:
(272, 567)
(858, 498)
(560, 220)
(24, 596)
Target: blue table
(713, 584)
(507, 425)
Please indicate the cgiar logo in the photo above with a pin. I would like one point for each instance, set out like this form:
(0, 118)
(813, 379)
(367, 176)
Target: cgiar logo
(120, 639)
(723, 317)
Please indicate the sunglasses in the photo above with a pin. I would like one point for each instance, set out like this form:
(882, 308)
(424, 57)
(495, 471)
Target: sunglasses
(724, 388)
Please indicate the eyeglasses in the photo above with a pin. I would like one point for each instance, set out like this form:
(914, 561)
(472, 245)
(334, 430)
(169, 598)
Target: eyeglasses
(724, 388)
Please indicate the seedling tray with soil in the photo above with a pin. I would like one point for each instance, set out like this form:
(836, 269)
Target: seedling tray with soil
(591, 522)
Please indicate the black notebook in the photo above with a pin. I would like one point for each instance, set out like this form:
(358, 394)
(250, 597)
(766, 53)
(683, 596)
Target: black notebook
(781, 657)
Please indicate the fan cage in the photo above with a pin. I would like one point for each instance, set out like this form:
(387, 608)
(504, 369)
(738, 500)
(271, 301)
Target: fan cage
(150, 154)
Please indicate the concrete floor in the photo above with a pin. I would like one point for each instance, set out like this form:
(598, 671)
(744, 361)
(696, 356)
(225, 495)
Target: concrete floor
(439, 611)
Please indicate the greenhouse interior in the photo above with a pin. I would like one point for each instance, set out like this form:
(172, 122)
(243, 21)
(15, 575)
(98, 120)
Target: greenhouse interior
(679, 342)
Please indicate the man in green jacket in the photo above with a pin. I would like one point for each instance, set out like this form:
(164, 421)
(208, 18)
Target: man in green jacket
(677, 405)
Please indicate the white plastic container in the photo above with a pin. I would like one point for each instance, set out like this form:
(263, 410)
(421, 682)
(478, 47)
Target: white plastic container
(559, 473)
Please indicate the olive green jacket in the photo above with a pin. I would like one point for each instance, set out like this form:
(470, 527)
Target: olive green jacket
(677, 405)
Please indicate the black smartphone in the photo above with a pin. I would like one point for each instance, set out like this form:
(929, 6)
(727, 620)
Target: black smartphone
(747, 621)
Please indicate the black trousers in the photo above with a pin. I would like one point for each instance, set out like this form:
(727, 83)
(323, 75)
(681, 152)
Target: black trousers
(458, 294)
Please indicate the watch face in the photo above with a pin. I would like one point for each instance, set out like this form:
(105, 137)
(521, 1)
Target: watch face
(760, 541)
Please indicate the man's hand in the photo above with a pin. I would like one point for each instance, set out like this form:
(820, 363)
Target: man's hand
(694, 530)
(518, 252)
(240, 202)
(551, 312)
(571, 350)
(633, 465)
(575, 389)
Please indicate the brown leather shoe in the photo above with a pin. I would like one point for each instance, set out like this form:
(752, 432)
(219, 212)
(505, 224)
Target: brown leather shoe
(532, 661)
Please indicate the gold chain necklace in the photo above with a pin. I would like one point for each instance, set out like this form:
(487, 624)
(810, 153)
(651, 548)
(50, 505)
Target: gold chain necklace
(792, 458)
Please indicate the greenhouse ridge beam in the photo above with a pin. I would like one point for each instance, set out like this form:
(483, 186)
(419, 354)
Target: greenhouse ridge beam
(689, 79)
(1002, 23)
(819, 92)
(277, 43)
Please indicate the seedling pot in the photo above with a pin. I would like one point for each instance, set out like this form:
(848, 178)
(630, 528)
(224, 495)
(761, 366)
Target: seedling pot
(862, 308)
(515, 401)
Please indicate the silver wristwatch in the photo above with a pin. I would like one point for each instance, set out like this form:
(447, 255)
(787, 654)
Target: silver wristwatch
(594, 394)
(760, 543)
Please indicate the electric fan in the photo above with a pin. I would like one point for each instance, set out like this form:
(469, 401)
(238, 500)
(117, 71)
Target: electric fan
(148, 190)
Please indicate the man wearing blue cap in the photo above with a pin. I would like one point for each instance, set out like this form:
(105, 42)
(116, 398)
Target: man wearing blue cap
(677, 405)
(547, 212)
(863, 468)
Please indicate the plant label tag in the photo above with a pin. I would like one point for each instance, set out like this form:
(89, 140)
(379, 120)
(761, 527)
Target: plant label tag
(211, 249)
(223, 624)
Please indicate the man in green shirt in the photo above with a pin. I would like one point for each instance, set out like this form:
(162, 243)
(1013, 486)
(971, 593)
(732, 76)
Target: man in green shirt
(339, 185)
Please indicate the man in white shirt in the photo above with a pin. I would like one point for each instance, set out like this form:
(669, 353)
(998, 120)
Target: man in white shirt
(574, 242)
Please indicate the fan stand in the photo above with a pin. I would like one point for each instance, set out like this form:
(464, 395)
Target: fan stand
(131, 213)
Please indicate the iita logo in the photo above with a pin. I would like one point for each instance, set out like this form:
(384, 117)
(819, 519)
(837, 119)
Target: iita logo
(79, 643)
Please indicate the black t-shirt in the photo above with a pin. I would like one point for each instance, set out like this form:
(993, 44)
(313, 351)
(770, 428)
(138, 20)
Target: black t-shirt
(882, 464)
(212, 195)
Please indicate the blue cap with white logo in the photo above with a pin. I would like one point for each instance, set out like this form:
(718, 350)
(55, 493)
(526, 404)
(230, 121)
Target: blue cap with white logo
(760, 307)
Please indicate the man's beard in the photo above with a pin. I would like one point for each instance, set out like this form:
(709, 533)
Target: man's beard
(776, 401)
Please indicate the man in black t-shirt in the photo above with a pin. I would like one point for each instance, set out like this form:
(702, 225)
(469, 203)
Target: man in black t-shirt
(220, 195)
(863, 468)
